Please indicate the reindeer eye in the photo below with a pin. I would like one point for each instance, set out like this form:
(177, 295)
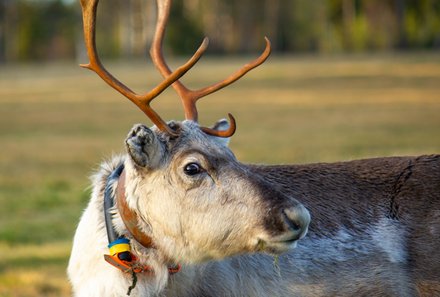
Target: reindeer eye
(192, 169)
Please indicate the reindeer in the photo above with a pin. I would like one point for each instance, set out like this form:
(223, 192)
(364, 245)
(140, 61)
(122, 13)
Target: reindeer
(183, 217)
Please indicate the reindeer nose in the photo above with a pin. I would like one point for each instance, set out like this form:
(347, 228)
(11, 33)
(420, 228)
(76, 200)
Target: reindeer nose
(297, 219)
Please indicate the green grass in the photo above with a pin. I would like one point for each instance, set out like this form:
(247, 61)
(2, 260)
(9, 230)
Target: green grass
(58, 122)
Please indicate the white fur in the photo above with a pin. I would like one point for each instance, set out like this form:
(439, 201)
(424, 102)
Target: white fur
(390, 236)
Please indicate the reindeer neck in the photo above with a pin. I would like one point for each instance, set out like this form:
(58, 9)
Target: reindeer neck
(120, 250)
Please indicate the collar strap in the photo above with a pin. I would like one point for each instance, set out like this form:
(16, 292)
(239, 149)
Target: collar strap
(119, 246)
(129, 217)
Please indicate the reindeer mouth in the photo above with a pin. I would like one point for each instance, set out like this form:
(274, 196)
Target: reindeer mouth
(276, 246)
(294, 225)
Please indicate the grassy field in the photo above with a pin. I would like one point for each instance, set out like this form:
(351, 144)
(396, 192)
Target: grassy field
(58, 122)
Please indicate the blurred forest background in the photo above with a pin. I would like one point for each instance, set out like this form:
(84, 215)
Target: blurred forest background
(50, 30)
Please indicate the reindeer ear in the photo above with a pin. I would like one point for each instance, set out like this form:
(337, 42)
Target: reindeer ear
(144, 147)
(222, 124)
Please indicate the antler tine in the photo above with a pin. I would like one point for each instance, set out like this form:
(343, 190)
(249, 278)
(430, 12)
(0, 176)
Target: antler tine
(233, 77)
(89, 10)
(190, 97)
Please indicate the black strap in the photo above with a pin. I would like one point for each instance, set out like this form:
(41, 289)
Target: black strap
(109, 202)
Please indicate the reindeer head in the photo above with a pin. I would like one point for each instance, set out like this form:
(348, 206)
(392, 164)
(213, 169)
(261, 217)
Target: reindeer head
(188, 194)
(198, 202)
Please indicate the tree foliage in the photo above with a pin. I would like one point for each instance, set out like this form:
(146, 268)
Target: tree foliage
(51, 29)
(37, 30)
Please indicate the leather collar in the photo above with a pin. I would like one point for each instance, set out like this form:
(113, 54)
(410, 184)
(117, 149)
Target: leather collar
(129, 217)
(120, 254)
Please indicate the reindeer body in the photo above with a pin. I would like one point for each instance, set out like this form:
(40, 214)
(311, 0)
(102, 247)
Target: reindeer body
(374, 232)
(375, 228)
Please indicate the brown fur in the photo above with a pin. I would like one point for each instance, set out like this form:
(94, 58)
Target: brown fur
(356, 194)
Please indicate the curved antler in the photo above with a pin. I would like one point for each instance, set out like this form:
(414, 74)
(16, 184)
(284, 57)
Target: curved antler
(89, 8)
(190, 97)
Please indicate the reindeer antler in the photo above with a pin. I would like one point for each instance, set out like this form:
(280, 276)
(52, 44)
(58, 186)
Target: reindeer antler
(89, 8)
(190, 97)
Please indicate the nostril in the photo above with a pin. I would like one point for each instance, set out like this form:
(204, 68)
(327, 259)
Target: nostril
(292, 223)
(297, 219)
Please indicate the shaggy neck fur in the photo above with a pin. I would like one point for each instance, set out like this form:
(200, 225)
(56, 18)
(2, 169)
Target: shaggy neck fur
(96, 237)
